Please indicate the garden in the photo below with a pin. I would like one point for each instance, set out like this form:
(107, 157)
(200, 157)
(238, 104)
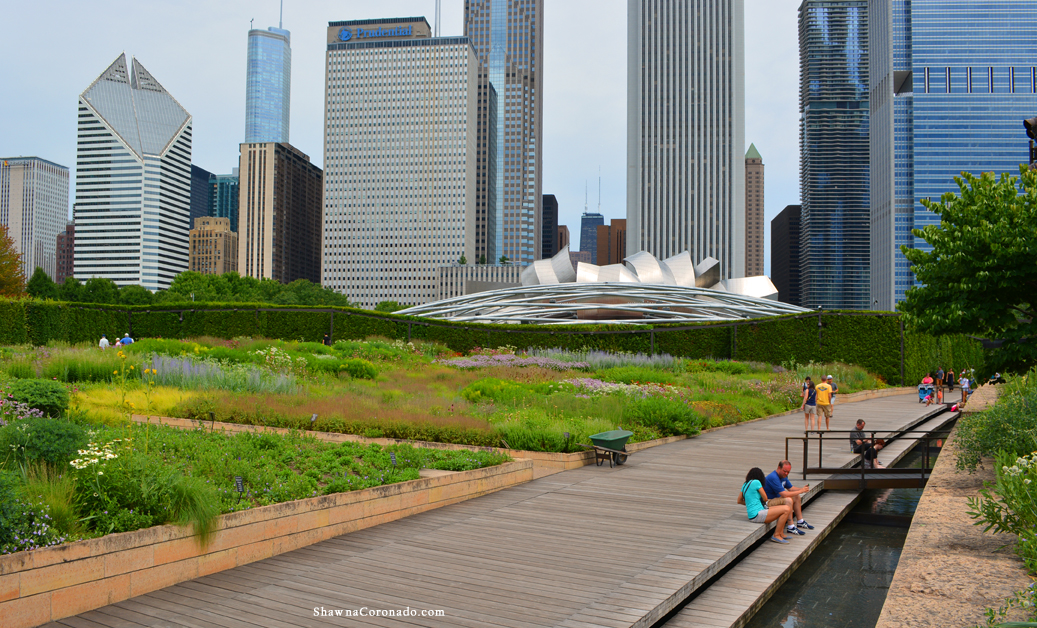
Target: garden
(76, 465)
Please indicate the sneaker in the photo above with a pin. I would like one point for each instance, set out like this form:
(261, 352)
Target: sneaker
(803, 524)
(777, 540)
(795, 530)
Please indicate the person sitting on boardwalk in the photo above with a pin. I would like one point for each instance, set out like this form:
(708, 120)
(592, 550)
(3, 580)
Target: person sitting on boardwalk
(858, 440)
(809, 406)
(777, 486)
(871, 455)
(755, 500)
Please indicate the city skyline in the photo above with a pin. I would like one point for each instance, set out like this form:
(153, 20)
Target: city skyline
(205, 65)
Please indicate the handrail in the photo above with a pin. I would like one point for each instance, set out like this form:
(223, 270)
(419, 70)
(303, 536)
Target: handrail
(927, 435)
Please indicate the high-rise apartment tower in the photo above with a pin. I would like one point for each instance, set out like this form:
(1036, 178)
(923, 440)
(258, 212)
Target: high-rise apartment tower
(753, 212)
(508, 39)
(133, 179)
(268, 85)
(686, 130)
(785, 254)
(835, 255)
(34, 208)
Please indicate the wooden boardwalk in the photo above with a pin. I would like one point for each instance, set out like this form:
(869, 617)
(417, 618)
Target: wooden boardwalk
(589, 547)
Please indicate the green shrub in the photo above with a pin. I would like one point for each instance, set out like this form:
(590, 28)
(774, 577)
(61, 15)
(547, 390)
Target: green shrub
(359, 368)
(42, 440)
(636, 375)
(501, 391)
(1010, 426)
(24, 525)
(718, 366)
(670, 417)
(45, 395)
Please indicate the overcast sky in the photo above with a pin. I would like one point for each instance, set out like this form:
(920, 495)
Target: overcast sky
(55, 49)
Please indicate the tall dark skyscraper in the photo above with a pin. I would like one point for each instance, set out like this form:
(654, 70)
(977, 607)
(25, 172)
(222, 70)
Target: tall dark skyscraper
(589, 223)
(951, 82)
(200, 192)
(834, 185)
(549, 229)
(508, 40)
(785, 254)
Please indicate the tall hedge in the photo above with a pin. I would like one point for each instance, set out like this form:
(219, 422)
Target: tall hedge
(870, 340)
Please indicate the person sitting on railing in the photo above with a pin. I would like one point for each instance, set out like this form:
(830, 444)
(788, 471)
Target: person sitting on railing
(755, 500)
(928, 379)
(871, 455)
(858, 440)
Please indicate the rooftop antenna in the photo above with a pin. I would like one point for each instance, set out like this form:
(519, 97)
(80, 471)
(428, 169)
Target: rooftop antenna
(599, 189)
(585, 210)
(437, 16)
(250, 27)
(280, 17)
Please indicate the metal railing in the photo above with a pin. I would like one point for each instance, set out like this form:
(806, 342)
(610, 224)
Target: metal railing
(843, 440)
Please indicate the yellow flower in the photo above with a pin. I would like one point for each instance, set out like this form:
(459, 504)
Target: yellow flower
(115, 372)
(131, 367)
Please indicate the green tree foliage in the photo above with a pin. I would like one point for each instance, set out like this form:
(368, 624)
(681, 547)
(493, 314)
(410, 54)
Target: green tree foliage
(482, 259)
(71, 291)
(233, 288)
(135, 295)
(41, 286)
(12, 277)
(981, 276)
(463, 260)
(389, 306)
(503, 259)
(100, 290)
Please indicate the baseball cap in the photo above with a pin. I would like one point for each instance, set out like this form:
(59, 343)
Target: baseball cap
(829, 377)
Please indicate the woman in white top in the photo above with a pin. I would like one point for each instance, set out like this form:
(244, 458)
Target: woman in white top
(964, 383)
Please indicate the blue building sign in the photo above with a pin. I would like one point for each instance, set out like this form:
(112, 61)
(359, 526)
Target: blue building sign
(397, 31)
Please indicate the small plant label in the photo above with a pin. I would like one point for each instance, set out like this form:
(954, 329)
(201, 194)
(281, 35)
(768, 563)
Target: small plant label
(238, 484)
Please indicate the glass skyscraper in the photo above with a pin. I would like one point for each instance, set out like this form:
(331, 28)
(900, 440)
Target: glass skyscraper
(268, 85)
(508, 40)
(834, 184)
(952, 82)
(223, 197)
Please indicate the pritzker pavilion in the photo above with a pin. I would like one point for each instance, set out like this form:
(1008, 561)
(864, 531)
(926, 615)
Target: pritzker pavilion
(642, 289)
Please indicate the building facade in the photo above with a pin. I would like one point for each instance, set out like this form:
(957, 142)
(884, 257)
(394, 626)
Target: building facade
(507, 36)
(400, 167)
(268, 86)
(753, 212)
(279, 214)
(785, 254)
(835, 238)
(575, 257)
(133, 180)
(200, 192)
(459, 280)
(214, 247)
(951, 82)
(66, 256)
(223, 197)
(686, 130)
(563, 237)
(589, 223)
(34, 208)
(549, 226)
(612, 242)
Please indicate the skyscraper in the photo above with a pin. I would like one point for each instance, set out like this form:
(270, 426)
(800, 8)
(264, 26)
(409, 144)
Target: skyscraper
(200, 192)
(686, 130)
(951, 82)
(753, 212)
(508, 40)
(834, 184)
(66, 258)
(785, 254)
(589, 223)
(549, 226)
(223, 197)
(214, 246)
(400, 167)
(612, 242)
(268, 85)
(133, 180)
(34, 208)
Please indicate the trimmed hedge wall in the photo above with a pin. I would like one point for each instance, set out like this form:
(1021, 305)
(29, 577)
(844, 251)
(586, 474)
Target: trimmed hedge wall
(868, 339)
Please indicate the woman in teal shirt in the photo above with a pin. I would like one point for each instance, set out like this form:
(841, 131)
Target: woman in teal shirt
(756, 508)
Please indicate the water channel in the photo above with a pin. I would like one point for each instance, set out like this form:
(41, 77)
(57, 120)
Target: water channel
(844, 582)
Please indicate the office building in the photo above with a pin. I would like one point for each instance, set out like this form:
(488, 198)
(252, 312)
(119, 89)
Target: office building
(34, 208)
(133, 180)
(753, 212)
(214, 247)
(66, 256)
(785, 254)
(549, 226)
(268, 86)
(951, 83)
(459, 280)
(400, 176)
(200, 192)
(223, 197)
(279, 214)
(589, 223)
(508, 39)
(834, 185)
(563, 237)
(686, 130)
(575, 257)
(612, 242)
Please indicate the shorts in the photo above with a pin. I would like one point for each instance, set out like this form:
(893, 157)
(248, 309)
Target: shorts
(810, 409)
(827, 410)
(777, 501)
(761, 517)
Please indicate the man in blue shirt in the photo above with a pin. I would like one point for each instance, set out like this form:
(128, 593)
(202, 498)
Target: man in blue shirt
(126, 340)
(777, 484)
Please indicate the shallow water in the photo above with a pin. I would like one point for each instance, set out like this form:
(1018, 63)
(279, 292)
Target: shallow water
(844, 582)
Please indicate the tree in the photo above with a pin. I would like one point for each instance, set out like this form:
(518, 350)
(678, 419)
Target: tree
(41, 286)
(135, 295)
(463, 260)
(100, 290)
(389, 306)
(71, 291)
(981, 276)
(482, 259)
(12, 277)
(503, 260)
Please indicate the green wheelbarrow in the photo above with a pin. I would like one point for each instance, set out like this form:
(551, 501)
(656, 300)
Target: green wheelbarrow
(611, 446)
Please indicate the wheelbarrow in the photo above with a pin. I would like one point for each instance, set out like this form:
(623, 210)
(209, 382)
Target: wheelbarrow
(611, 446)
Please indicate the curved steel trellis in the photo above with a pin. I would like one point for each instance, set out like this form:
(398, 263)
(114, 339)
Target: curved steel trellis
(601, 303)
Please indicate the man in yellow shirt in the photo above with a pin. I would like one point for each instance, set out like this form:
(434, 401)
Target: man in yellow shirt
(824, 401)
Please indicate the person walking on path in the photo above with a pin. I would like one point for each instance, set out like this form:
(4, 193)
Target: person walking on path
(939, 378)
(809, 406)
(965, 383)
(824, 404)
(104, 342)
(126, 340)
(950, 381)
(755, 500)
(777, 486)
(835, 389)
